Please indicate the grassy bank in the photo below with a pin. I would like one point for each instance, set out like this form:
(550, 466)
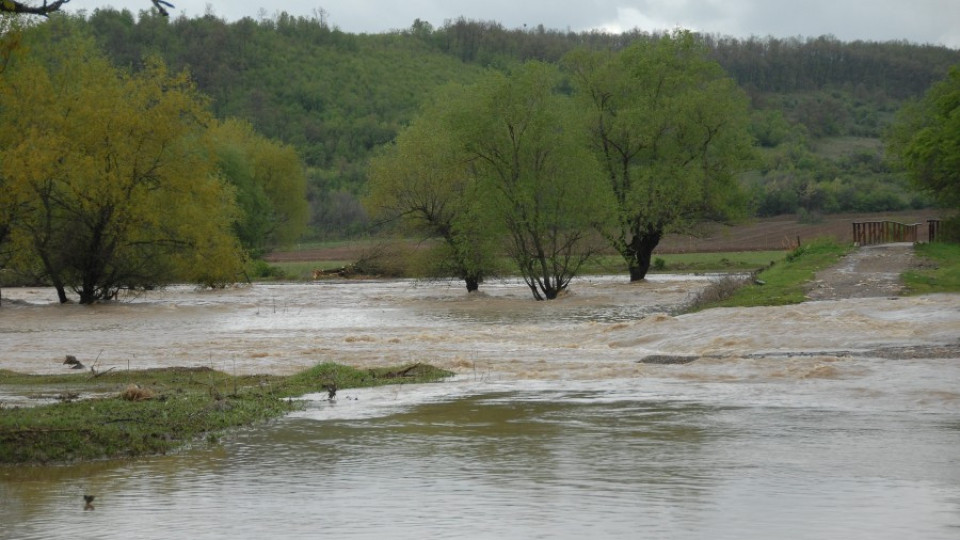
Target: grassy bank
(134, 413)
(939, 270)
(782, 282)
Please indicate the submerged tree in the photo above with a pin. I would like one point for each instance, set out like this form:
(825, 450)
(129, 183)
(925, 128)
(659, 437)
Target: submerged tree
(113, 185)
(670, 131)
(530, 159)
(499, 163)
(424, 181)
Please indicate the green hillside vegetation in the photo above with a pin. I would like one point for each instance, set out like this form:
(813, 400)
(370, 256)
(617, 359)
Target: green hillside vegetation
(819, 105)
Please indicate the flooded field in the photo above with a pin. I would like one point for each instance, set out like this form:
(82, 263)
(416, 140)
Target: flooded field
(823, 420)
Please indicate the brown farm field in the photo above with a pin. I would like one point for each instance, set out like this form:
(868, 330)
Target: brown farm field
(767, 234)
(783, 232)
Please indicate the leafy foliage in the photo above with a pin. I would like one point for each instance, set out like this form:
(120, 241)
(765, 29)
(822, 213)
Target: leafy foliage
(926, 139)
(670, 131)
(337, 97)
(503, 158)
(269, 182)
(424, 181)
(108, 184)
(529, 156)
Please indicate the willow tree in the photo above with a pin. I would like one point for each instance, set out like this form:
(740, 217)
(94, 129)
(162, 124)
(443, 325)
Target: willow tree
(670, 130)
(269, 181)
(522, 139)
(423, 181)
(113, 185)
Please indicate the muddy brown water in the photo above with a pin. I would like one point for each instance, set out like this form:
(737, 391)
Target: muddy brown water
(829, 419)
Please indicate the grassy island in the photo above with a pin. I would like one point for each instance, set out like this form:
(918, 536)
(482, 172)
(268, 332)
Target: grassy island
(119, 414)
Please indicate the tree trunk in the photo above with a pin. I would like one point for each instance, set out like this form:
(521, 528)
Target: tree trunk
(61, 292)
(640, 253)
(473, 283)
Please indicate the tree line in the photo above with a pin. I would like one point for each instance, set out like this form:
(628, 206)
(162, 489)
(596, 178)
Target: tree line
(645, 141)
(336, 97)
(246, 130)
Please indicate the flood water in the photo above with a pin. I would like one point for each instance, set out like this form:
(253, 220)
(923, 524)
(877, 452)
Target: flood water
(832, 419)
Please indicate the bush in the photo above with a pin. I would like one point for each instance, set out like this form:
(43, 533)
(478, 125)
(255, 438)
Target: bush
(261, 269)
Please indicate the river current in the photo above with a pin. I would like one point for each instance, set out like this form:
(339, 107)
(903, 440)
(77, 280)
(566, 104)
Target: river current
(829, 419)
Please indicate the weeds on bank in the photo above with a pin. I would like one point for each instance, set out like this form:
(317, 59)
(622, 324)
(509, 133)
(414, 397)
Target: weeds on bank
(939, 269)
(158, 410)
(782, 282)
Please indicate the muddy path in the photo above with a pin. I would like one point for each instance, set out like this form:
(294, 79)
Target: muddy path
(868, 272)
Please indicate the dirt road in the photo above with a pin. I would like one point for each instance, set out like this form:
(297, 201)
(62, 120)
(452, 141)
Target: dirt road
(870, 271)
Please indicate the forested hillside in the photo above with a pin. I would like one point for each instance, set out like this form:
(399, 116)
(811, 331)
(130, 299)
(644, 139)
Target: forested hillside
(819, 105)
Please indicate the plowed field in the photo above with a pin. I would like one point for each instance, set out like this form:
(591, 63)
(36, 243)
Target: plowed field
(781, 232)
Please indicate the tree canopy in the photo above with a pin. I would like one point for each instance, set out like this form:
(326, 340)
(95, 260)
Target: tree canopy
(500, 163)
(819, 104)
(424, 180)
(106, 181)
(926, 139)
(269, 183)
(522, 138)
(670, 130)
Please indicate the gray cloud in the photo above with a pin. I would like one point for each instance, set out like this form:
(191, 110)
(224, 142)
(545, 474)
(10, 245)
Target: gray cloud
(920, 21)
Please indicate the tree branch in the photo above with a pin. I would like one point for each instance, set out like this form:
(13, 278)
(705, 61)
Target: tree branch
(12, 6)
(45, 9)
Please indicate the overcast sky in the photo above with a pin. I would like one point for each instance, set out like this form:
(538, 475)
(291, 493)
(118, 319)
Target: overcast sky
(918, 21)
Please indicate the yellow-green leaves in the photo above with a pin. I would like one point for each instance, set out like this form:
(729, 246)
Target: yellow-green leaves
(269, 182)
(111, 186)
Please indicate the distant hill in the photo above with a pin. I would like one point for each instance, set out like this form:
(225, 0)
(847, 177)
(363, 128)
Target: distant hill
(820, 105)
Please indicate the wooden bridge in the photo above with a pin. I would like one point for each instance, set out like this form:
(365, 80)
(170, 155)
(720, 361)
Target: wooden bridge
(882, 232)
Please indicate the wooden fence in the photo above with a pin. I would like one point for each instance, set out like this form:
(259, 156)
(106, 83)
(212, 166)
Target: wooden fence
(933, 229)
(881, 232)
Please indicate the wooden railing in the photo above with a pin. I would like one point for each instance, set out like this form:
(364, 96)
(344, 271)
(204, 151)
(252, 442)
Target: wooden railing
(933, 229)
(881, 232)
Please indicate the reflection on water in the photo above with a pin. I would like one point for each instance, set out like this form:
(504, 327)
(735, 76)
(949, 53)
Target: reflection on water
(521, 464)
(823, 420)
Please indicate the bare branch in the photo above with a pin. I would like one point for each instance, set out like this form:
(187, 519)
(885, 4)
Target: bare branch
(45, 9)
(12, 6)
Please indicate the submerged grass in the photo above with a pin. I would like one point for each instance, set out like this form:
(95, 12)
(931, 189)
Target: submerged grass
(156, 411)
(782, 282)
(939, 270)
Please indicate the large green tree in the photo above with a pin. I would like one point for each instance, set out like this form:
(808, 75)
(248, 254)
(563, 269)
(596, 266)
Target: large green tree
(522, 138)
(926, 140)
(425, 182)
(113, 186)
(670, 130)
(499, 163)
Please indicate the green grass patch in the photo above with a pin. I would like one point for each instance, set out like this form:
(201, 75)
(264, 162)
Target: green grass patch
(939, 270)
(740, 261)
(155, 411)
(783, 282)
(303, 270)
